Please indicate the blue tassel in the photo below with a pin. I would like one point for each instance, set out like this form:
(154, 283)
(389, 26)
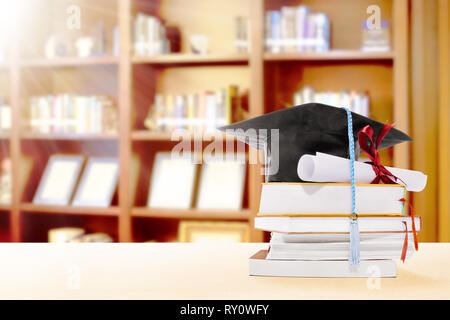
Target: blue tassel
(354, 253)
(354, 243)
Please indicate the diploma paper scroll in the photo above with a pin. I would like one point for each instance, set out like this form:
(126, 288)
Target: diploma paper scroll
(327, 168)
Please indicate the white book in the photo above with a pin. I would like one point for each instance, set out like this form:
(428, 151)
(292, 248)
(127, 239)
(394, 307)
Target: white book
(301, 14)
(311, 31)
(334, 237)
(268, 31)
(5, 117)
(260, 266)
(330, 198)
(373, 249)
(152, 33)
(297, 99)
(140, 34)
(307, 94)
(335, 224)
(275, 21)
(211, 106)
(322, 32)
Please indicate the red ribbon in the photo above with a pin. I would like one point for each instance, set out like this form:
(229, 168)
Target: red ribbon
(413, 224)
(405, 243)
(411, 210)
(365, 136)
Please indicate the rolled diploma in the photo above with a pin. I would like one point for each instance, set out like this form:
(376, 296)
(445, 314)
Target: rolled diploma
(327, 168)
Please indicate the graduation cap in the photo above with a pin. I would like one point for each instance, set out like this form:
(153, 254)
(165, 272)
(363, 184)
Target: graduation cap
(304, 129)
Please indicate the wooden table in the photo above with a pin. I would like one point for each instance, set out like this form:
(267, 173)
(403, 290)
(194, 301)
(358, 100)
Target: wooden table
(195, 271)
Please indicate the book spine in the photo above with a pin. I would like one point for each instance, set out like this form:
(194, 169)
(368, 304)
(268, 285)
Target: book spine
(268, 31)
(169, 113)
(231, 96)
(322, 32)
(191, 107)
(276, 32)
(301, 14)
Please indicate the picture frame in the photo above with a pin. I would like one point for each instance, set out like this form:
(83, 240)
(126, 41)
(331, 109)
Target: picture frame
(221, 177)
(98, 182)
(54, 190)
(216, 232)
(172, 181)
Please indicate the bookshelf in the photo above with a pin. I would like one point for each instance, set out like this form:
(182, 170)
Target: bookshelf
(267, 79)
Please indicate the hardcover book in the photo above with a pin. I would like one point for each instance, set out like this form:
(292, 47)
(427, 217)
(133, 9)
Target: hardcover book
(260, 266)
(308, 199)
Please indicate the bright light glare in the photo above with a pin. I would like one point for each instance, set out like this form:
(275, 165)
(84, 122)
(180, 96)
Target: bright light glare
(9, 13)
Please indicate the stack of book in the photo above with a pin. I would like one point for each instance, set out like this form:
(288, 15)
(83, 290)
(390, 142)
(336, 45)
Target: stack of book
(241, 34)
(150, 36)
(310, 236)
(322, 225)
(201, 112)
(68, 113)
(5, 116)
(296, 29)
(356, 101)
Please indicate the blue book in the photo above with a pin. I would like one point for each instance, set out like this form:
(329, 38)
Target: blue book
(275, 19)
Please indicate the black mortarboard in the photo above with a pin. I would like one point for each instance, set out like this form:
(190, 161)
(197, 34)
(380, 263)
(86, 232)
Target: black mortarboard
(305, 129)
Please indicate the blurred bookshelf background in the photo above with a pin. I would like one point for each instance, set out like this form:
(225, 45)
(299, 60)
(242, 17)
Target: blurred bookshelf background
(92, 91)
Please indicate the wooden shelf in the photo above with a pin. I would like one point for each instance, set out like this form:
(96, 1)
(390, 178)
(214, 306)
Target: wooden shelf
(192, 214)
(68, 136)
(5, 207)
(267, 84)
(188, 59)
(334, 55)
(70, 62)
(157, 136)
(54, 209)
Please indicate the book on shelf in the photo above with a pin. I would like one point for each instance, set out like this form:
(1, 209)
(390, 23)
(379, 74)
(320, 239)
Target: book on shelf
(69, 113)
(5, 116)
(204, 111)
(376, 39)
(5, 181)
(307, 199)
(357, 102)
(241, 38)
(116, 41)
(259, 265)
(150, 36)
(3, 49)
(296, 29)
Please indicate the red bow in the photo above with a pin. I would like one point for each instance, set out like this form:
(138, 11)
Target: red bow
(381, 172)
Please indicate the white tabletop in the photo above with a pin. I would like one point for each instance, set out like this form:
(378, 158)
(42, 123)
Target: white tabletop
(195, 271)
